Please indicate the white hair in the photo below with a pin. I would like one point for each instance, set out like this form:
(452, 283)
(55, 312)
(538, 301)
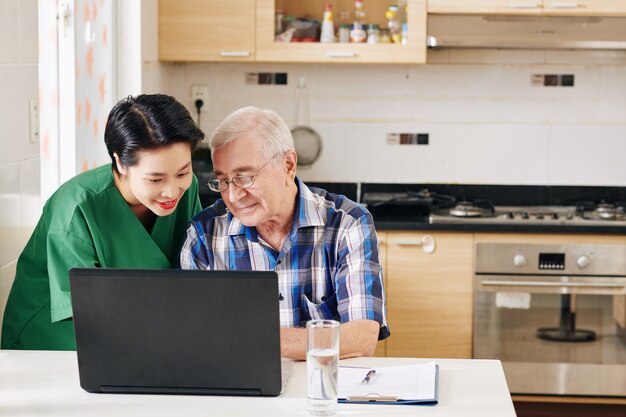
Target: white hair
(266, 125)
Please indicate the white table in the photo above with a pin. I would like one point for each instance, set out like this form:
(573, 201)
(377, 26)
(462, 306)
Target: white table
(35, 383)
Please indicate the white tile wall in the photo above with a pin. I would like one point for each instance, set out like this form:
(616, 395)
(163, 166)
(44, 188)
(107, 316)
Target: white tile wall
(502, 154)
(20, 203)
(7, 273)
(488, 124)
(588, 155)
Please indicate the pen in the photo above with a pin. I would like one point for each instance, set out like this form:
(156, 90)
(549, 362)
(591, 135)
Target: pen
(369, 375)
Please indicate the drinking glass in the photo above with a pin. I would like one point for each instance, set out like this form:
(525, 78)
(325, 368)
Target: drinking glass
(322, 357)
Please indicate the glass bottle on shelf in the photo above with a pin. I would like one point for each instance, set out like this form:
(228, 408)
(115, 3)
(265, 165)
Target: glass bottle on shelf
(405, 29)
(394, 24)
(373, 33)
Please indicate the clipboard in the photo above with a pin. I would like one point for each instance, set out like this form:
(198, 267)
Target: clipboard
(392, 385)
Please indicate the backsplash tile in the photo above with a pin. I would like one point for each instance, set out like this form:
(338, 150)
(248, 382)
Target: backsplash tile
(588, 155)
(481, 110)
(19, 159)
(501, 154)
(8, 31)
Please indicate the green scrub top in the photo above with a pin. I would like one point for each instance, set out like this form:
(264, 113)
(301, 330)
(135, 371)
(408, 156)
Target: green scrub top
(86, 223)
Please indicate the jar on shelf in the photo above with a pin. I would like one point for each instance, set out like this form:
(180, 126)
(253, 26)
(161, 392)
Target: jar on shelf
(373, 33)
(344, 33)
(357, 34)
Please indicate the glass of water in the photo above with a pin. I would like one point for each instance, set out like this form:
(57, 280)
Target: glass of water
(322, 357)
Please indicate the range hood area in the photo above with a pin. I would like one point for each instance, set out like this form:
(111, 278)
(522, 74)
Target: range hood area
(526, 32)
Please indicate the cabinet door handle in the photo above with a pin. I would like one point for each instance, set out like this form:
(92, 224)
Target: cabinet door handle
(235, 53)
(427, 242)
(563, 6)
(341, 54)
(523, 5)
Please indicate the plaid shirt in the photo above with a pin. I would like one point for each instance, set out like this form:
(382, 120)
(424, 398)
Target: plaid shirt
(328, 267)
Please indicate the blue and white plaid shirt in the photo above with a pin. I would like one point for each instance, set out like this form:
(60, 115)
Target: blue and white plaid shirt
(328, 267)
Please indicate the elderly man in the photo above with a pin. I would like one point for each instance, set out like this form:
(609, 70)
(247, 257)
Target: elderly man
(322, 245)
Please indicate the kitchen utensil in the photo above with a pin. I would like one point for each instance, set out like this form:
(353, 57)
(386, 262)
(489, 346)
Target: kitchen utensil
(306, 140)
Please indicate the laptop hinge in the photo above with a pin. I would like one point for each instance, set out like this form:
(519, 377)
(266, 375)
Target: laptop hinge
(179, 390)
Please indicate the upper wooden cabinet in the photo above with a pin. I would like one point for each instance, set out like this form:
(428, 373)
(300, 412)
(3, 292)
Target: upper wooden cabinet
(206, 30)
(544, 7)
(414, 51)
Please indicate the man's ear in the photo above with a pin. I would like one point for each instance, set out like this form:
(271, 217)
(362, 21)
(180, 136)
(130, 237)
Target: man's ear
(120, 168)
(291, 161)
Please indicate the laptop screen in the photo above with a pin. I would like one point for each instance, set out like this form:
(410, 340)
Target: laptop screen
(177, 331)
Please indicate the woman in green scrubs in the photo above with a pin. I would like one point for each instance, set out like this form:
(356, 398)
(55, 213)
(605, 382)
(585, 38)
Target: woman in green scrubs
(132, 213)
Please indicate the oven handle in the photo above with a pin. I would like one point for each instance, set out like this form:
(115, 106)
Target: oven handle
(552, 284)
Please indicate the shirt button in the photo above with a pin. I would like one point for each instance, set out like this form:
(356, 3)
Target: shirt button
(278, 263)
(323, 298)
(280, 297)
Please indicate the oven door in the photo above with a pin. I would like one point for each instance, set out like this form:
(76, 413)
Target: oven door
(555, 335)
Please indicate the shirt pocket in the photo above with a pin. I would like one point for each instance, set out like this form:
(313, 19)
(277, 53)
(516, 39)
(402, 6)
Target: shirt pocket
(325, 311)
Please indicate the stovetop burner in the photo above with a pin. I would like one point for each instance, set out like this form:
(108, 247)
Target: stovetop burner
(601, 211)
(477, 208)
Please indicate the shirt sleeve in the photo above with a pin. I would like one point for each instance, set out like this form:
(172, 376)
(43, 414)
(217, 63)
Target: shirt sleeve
(194, 254)
(358, 279)
(66, 250)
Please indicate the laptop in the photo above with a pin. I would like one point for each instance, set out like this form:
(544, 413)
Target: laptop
(177, 331)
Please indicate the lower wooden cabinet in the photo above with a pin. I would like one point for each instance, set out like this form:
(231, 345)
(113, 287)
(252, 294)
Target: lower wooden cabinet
(381, 349)
(429, 294)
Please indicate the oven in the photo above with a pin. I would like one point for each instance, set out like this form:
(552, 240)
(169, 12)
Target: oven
(554, 314)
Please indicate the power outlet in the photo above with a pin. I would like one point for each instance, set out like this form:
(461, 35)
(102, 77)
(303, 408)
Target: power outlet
(200, 92)
(33, 121)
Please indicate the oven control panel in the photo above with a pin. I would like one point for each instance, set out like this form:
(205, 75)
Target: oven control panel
(552, 261)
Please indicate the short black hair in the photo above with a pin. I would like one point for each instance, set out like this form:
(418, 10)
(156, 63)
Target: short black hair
(148, 121)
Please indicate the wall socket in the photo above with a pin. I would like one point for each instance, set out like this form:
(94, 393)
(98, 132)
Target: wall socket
(408, 139)
(33, 121)
(200, 92)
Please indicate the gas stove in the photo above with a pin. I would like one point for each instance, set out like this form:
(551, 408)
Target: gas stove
(481, 212)
(437, 208)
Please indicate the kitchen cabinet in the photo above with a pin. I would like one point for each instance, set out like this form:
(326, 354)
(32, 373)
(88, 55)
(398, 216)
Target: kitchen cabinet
(429, 295)
(381, 348)
(267, 50)
(202, 30)
(537, 7)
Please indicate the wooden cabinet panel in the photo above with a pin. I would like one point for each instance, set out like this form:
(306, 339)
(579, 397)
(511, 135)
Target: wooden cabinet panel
(429, 295)
(206, 30)
(530, 7)
(585, 8)
(381, 349)
(268, 50)
(484, 6)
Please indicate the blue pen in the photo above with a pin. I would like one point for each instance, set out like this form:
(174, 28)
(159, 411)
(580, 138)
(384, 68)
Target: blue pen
(369, 375)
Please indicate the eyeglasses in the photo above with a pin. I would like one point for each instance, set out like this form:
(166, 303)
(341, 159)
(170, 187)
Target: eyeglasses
(240, 181)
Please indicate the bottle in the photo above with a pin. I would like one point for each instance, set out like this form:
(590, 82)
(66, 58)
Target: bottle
(373, 33)
(359, 13)
(357, 34)
(384, 36)
(344, 33)
(405, 30)
(394, 24)
(328, 27)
